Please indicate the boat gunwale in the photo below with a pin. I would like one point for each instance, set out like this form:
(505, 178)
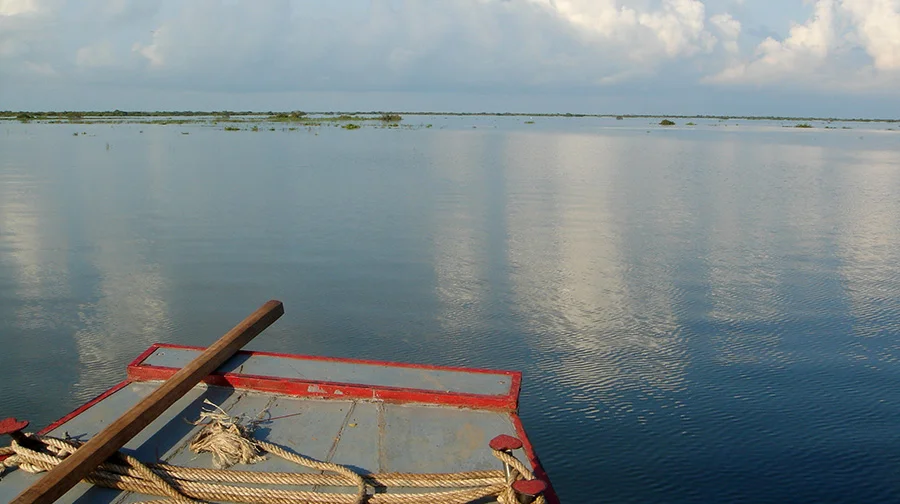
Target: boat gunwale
(220, 378)
(137, 371)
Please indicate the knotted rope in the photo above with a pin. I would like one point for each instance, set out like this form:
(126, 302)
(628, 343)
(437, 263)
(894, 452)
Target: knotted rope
(229, 442)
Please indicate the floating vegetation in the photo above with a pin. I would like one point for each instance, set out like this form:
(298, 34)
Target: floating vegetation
(391, 117)
(254, 128)
(185, 133)
(351, 126)
(75, 134)
(292, 129)
(529, 122)
(296, 115)
(428, 125)
(232, 128)
(803, 125)
(666, 122)
(619, 118)
(271, 129)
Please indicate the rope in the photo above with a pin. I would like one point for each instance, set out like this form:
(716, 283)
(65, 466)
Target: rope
(181, 485)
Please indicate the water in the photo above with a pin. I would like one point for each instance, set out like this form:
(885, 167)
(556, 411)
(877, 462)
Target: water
(705, 314)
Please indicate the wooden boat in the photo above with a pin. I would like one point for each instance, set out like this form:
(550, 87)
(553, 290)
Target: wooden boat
(374, 418)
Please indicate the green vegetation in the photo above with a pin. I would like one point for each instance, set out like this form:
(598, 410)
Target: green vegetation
(311, 121)
(296, 115)
(224, 115)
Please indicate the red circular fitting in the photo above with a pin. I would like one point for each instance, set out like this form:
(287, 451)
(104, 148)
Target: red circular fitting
(10, 425)
(531, 488)
(505, 443)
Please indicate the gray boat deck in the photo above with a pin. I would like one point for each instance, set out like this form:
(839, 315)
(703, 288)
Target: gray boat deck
(369, 435)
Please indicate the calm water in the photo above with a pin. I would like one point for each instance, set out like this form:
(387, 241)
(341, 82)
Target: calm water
(702, 315)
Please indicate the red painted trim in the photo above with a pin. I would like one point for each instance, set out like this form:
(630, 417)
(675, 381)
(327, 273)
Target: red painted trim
(514, 387)
(337, 359)
(539, 472)
(146, 353)
(335, 390)
(81, 409)
(138, 372)
(330, 390)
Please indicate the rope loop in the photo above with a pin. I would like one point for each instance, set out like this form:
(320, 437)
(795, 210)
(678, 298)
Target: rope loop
(181, 485)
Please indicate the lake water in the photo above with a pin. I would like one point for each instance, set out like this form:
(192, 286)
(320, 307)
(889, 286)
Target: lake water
(702, 314)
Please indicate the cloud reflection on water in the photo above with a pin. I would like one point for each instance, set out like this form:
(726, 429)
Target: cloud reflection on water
(591, 293)
(870, 213)
(69, 239)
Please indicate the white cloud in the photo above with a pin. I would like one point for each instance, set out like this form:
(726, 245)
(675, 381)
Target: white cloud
(821, 53)
(729, 29)
(878, 27)
(679, 25)
(482, 43)
(18, 7)
(804, 49)
(97, 55)
(445, 45)
(674, 28)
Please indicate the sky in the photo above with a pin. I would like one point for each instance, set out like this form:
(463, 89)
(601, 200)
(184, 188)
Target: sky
(822, 58)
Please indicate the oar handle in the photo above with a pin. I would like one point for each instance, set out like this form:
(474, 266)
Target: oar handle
(78, 465)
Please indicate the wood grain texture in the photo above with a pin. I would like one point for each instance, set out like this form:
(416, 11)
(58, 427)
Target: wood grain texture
(108, 441)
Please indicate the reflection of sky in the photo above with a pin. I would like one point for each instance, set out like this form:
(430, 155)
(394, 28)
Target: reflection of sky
(460, 236)
(573, 268)
(129, 308)
(31, 243)
(80, 274)
(616, 252)
(742, 259)
(869, 210)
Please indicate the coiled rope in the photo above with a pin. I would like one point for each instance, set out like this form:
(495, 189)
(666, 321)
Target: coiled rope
(229, 442)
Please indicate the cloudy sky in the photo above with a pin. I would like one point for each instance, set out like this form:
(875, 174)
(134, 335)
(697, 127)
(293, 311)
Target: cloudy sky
(760, 57)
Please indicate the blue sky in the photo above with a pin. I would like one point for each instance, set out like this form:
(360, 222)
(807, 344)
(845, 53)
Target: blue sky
(759, 57)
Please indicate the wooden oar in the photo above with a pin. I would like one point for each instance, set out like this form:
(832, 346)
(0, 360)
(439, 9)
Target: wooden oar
(75, 467)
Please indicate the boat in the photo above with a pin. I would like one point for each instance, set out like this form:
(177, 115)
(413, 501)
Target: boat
(332, 429)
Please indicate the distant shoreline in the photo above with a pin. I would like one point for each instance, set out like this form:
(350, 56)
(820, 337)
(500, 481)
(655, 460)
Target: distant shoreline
(287, 116)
